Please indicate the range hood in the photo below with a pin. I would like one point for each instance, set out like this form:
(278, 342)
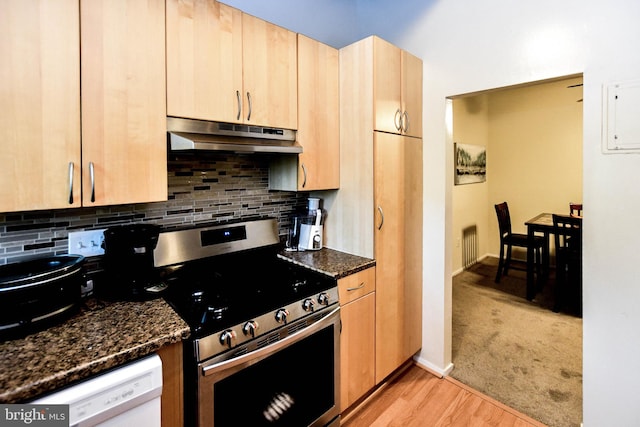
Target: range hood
(190, 135)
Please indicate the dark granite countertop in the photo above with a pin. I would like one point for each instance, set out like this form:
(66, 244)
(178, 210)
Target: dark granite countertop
(103, 335)
(329, 261)
(100, 336)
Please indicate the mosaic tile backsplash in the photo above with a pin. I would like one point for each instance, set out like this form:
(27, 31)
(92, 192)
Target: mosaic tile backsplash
(204, 189)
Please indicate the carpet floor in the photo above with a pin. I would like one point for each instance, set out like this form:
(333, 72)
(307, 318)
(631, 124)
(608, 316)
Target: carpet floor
(518, 352)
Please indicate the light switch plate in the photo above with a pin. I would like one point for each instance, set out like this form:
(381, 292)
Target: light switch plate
(621, 126)
(86, 243)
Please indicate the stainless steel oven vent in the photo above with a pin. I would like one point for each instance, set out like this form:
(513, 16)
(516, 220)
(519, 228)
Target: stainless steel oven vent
(193, 135)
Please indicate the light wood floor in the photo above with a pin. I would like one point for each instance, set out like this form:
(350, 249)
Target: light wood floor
(418, 398)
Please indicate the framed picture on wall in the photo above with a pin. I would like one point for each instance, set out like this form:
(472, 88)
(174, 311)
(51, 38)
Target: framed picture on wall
(470, 163)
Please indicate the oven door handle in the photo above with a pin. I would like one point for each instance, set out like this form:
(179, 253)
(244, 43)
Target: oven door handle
(272, 348)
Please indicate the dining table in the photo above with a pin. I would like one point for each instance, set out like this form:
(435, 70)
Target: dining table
(541, 223)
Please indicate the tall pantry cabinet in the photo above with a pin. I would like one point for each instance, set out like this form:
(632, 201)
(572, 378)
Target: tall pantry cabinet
(398, 241)
(83, 104)
(377, 212)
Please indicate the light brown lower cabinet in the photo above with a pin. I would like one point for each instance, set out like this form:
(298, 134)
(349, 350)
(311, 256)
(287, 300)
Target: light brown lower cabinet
(357, 340)
(172, 384)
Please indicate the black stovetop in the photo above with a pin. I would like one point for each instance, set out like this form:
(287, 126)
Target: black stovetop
(217, 292)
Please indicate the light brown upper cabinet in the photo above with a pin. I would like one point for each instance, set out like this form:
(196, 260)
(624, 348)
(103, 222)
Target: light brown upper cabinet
(124, 131)
(318, 115)
(204, 60)
(225, 65)
(119, 156)
(398, 90)
(318, 166)
(269, 73)
(40, 104)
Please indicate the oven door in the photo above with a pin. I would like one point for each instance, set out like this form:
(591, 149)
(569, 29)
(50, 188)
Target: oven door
(292, 382)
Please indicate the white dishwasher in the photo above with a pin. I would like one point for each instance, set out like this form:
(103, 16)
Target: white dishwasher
(125, 396)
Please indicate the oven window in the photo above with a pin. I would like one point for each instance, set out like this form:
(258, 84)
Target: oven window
(292, 387)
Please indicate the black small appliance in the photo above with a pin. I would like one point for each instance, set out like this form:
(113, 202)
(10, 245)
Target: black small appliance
(129, 272)
(38, 293)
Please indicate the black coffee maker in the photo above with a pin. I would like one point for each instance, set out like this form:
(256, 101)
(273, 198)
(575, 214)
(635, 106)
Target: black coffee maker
(129, 273)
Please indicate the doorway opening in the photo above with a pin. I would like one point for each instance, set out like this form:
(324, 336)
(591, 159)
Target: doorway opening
(531, 135)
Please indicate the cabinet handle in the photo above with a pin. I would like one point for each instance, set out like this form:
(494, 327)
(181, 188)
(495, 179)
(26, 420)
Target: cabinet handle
(405, 121)
(381, 217)
(360, 286)
(304, 171)
(250, 106)
(397, 119)
(239, 105)
(70, 183)
(93, 181)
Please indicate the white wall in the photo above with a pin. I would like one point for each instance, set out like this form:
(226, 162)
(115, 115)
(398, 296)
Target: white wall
(469, 46)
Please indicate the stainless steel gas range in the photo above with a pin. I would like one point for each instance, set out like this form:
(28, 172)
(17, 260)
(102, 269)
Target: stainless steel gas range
(264, 349)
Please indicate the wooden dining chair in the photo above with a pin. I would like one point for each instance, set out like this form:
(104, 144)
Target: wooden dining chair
(575, 209)
(568, 239)
(508, 240)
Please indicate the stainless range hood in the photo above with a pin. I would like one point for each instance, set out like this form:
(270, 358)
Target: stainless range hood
(190, 135)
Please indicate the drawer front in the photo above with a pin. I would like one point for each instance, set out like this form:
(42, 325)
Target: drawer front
(357, 285)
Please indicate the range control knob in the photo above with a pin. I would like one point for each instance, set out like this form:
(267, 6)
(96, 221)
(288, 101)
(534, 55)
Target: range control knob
(323, 299)
(228, 338)
(250, 328)
(307, 304)
(281, 315)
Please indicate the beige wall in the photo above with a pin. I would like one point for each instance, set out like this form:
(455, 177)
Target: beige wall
(534, 157)
(470, 126)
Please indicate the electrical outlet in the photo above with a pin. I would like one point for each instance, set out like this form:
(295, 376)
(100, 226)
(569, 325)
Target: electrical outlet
(86, 243)
(87, 288)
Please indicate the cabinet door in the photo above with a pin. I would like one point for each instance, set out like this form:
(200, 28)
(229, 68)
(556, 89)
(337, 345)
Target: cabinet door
(123, 101)
(412, 308)
(387, 86)
(389, 252)
(172, 403)
(357, 349)
(204, 60)
(411, 95)
(40, 104)
(318, 115)
(269, 74)
(397, 90)
(398, 239)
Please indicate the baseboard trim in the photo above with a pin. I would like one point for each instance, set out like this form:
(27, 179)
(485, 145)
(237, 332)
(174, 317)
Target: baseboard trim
(430, 367)
(458, 271)
(461, 269)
